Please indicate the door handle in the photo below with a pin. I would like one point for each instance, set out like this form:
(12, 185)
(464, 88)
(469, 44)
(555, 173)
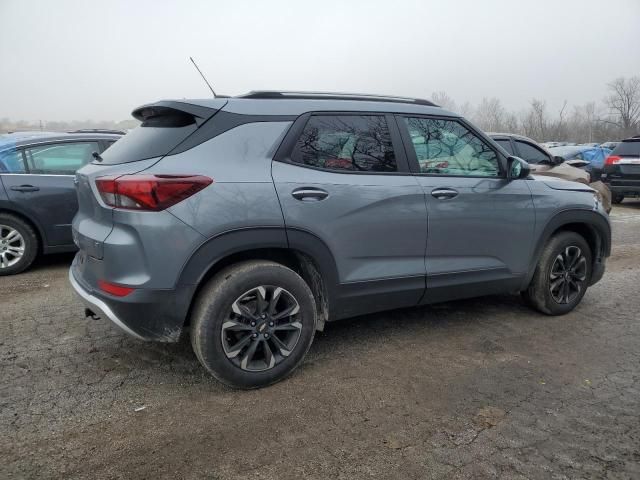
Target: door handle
(444, 193)
(307, 194)
(25, 188)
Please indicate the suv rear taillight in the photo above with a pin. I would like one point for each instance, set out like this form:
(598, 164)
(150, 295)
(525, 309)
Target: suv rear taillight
(612, 160)
(149, 192)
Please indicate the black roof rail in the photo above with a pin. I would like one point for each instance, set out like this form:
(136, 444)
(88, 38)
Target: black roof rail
(275, 94)
(98, 130)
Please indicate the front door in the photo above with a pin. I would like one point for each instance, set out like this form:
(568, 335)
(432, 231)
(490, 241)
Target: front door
(346, 182)
(480, 223)
(45, 190)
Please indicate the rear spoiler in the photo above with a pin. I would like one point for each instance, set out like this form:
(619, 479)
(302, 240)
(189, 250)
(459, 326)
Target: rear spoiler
(198, 111)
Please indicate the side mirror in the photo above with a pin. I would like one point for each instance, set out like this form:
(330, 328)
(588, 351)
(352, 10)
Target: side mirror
(517, 168)
(557, 160)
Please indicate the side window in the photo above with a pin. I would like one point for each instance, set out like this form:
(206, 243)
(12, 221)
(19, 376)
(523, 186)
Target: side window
(11, 161)
(60, 159)
(531, 153)
(357, 143)
(446, 147)
(506, 144)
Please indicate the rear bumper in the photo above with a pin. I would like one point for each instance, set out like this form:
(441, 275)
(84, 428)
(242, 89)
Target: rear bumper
(154, 315)
(631, 190)
(99, 308)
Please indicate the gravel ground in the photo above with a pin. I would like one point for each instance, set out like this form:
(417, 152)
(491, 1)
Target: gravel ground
(483, 388)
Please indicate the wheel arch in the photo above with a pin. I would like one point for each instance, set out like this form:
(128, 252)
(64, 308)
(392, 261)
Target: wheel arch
(591, 225)
(32, 223)
(301, 251)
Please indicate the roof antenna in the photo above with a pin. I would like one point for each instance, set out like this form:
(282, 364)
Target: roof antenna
(203, 77)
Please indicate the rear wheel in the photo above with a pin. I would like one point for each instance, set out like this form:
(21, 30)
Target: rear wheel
(617, 198)
(562, 275)
(18, 244)
(253, 323)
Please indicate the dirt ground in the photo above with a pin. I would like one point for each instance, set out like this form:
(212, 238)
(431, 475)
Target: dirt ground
(482, 388)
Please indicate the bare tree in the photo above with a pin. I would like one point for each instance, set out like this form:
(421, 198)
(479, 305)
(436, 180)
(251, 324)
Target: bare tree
(444, 100)
(490, 115)
(624, 103)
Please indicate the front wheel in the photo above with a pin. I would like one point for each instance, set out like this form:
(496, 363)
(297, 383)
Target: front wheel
(253, 323)
(617, 198)
(562, 275)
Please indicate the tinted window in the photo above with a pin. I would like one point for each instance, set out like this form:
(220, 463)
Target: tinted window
(358, 143)
(627, 148)
(446, 147)
(11, 161)
(155, 137)
(530, 153)
(60, 159)
(506, 144)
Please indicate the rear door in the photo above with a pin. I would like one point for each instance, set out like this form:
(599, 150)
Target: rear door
(480, 223)
(343, 179)
(45, 189)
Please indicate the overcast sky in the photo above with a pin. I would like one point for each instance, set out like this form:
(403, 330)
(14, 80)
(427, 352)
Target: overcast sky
(64, 60)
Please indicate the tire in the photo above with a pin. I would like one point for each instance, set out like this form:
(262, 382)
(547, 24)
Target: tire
(18, 244)
(560, 250)
(222, 332)
(617, 198)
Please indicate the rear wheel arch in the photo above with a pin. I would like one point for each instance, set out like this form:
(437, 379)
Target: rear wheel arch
(308, 256)
(34, 225)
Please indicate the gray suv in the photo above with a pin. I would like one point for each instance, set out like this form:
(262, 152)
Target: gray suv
(256, 219)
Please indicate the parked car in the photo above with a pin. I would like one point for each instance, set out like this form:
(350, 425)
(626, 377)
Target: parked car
(256, 219)
(589, 158)
(609, 145)
(37, 193)
(543, 162)
(622, 170)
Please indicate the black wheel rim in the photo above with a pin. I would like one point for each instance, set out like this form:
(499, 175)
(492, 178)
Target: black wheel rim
(262, 328)
(568, 274)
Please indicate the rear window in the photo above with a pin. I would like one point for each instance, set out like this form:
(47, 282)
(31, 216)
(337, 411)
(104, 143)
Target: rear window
(359, 143)
(627, 148)
(156, 136)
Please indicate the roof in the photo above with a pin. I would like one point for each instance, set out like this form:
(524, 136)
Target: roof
(297, 103)
(20, 139)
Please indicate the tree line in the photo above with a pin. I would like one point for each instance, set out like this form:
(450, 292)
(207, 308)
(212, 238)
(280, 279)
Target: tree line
(616, 117)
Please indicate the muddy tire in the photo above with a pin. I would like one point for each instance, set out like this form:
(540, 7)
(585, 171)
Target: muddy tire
(562, 275)
(253, 323)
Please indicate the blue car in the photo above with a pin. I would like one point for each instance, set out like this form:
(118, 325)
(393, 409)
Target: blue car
(593, 156)
(37, 192)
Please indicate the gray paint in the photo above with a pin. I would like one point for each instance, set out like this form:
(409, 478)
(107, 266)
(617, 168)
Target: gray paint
(392, 243)
(375, 225)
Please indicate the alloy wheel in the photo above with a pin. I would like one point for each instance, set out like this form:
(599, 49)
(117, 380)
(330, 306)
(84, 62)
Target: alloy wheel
(261, 329)
(12, 246)
(568, 274)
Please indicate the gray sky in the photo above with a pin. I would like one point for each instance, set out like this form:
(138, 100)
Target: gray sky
(64, 59)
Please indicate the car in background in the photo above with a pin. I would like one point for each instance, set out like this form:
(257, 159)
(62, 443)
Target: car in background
(543, 162)
(582, 156)
(622, 170)
(37, 192)
(609, 145)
